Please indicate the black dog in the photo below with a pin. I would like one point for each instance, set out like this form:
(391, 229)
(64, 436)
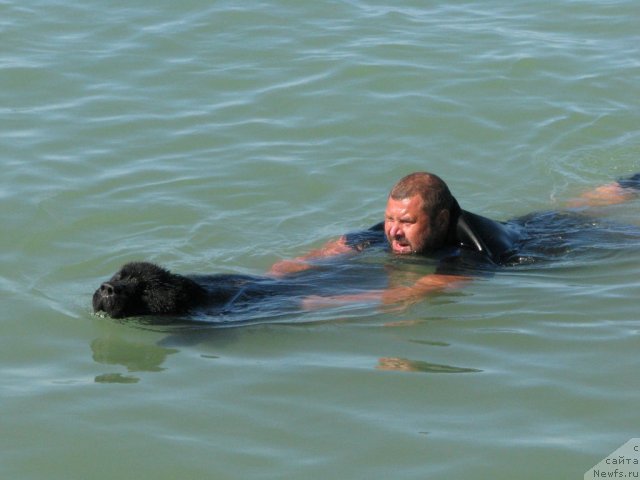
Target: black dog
(141, 288)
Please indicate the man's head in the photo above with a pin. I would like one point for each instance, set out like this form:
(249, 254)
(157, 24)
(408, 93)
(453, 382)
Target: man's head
(418, 213)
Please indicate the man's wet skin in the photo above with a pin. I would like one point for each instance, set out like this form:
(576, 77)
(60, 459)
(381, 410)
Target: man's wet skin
(410, 229)
(610, 194)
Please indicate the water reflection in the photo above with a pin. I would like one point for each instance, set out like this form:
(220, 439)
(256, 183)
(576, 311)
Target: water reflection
(407, 365)
(116, 378)
(135, 356)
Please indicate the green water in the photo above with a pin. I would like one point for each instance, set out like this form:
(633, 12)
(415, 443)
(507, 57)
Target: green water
(222, 137)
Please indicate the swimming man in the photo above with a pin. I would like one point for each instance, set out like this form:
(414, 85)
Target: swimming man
(422, 217)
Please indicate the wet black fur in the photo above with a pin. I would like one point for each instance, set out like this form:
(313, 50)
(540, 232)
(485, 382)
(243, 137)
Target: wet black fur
(142, 288)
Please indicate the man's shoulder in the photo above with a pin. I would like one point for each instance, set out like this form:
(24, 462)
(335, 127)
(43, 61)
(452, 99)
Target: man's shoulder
(496, 240)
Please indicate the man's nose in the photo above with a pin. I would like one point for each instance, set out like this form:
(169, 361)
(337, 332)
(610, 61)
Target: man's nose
(395, 230)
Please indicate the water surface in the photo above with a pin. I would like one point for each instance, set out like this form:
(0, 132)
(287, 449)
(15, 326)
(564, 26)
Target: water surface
(217, 137)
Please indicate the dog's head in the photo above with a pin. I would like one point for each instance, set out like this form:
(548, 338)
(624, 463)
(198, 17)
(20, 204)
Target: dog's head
(141, 288)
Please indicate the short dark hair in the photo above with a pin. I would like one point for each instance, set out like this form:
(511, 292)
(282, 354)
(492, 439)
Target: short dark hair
(432, 189)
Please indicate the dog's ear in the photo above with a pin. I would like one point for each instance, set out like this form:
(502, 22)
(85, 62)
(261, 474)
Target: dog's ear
(171, 294)
(161, 298)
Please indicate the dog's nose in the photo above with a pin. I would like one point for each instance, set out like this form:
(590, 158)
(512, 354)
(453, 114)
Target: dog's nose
(107, 290)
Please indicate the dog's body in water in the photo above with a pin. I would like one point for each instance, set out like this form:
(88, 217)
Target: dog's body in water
(143, 288)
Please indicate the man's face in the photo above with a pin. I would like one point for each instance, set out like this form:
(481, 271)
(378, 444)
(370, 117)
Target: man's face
(409, 229)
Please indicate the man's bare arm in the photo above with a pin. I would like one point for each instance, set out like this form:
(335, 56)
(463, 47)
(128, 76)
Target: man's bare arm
(298, 264)
(425, 286)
